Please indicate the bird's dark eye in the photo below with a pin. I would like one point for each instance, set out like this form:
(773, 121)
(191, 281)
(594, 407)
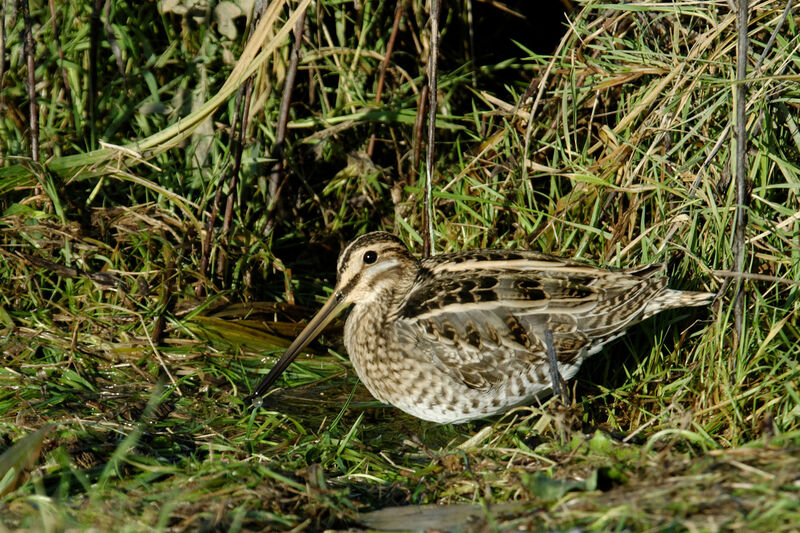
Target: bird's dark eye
(370, 257)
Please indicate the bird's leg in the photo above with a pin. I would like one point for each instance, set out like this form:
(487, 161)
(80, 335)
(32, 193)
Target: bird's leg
(559, 386)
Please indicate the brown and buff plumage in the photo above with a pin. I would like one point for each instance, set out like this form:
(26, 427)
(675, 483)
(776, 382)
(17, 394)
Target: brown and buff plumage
(461, 336)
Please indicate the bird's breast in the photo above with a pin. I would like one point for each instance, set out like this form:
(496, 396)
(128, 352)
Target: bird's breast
(371, 342)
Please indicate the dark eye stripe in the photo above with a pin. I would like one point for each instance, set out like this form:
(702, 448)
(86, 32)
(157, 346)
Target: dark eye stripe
(353, 282)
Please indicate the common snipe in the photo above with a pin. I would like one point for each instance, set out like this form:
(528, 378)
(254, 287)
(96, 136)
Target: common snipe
(461, 336)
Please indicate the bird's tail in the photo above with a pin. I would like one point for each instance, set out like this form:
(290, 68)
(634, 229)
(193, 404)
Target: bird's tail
(670, 298)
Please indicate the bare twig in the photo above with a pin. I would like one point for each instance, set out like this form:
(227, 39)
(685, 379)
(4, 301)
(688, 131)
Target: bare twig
(283, 118)
(234, 144)
(212, 219)
(757, 69)
(771, 42)
(237, 160)
(33, 109)
(419, 122)
(726, 131)
(741, 163)
(427, 219)
(237, 135)
(233, 183)
(103, 279)
(398, 14)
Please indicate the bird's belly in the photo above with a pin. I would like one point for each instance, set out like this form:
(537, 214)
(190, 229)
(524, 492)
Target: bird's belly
(437, 398)
(409, 379)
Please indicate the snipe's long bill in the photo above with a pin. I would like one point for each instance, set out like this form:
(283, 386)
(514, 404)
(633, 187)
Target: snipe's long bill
(461, 336)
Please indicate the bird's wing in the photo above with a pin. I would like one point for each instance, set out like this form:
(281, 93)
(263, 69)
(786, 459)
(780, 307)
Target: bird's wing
(485, 320)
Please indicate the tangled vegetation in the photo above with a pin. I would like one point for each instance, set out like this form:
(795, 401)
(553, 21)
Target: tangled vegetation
(166, 225)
